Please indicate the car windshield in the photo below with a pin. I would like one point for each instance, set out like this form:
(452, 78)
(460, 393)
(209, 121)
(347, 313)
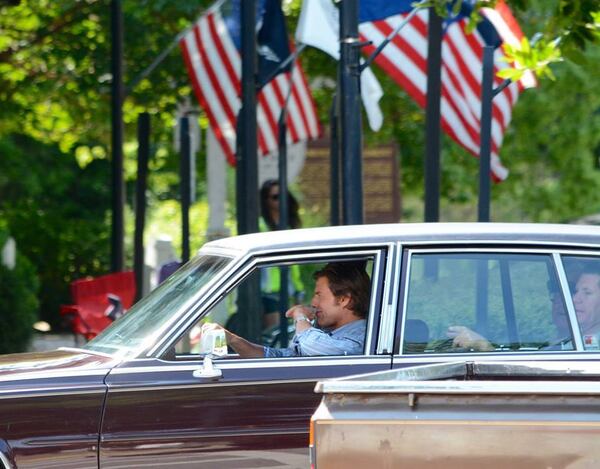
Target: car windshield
(148, 318)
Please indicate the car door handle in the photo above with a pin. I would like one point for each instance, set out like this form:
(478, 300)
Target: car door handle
(208, 372)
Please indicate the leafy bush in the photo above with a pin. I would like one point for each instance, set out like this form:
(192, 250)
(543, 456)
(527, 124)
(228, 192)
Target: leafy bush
(19, 305)
(58, 214)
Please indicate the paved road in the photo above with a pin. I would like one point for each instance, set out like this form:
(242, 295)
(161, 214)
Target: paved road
(45, 341)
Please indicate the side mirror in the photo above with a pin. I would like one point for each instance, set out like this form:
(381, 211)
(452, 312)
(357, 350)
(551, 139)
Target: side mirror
(207, 371)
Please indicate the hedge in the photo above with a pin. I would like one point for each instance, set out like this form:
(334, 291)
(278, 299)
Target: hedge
(18, 305)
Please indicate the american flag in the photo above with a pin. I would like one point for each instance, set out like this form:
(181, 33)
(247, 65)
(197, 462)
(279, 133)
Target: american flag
(214, 65)
(405, 60)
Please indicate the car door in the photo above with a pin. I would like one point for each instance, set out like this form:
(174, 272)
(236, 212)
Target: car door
(512, 304)
(163, 410)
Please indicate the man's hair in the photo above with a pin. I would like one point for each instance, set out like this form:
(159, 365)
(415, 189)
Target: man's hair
(349, 279)
(590, 270)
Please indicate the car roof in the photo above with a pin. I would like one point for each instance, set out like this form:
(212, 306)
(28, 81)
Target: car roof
(420, 233)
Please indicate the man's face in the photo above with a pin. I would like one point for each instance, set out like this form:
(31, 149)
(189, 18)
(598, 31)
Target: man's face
(587, 302)
(331, 312)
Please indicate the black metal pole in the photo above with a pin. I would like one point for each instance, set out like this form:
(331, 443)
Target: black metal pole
(283, 223)
(487, 85)
(247, 164)
(247, 170)
(282, 167)
(432, 118)
(185, 179)
(118, 184)
(140, 200)
(334, 158)
(350, 118)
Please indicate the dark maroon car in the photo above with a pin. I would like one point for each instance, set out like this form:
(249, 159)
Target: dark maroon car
(145, 394)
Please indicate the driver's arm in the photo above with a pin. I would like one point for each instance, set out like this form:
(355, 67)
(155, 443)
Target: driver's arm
(243, 347)
(466, 338)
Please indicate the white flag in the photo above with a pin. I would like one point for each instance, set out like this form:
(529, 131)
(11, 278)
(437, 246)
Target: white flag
(318, 26)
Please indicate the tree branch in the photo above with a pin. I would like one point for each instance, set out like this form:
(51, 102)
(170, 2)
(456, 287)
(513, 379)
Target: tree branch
(64, 19)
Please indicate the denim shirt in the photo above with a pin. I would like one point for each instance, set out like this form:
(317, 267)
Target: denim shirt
(346, 340)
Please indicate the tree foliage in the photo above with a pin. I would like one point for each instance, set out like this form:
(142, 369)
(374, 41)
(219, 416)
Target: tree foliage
(19, 306)
(55, 79)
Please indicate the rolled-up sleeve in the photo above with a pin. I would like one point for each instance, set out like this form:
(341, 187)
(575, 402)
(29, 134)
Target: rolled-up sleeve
(317, 342)
(271, 352)
(346, 340)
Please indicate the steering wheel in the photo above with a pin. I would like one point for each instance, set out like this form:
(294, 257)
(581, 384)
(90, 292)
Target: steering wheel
(447, 345)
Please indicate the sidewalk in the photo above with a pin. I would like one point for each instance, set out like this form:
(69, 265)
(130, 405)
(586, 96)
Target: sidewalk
(43, 341)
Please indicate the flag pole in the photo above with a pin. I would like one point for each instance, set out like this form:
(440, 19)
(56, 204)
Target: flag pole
(432, 118)
(334, 164)
(350, 115)
(247, 162)
(247, 168)
(118, 184)
(283, 213)
(487, 95)
(143, 132)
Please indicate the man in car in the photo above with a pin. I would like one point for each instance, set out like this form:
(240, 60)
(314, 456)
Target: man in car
(586, 300)
(587, 308)
(339, 307)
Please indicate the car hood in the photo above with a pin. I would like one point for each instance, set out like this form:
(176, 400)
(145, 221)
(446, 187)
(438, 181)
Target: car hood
(55, 369)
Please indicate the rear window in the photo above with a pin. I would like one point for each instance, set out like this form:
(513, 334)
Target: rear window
(484, 302)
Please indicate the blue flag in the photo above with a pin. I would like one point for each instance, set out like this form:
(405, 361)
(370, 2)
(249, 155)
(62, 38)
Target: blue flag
(272, 38)
(374, 10)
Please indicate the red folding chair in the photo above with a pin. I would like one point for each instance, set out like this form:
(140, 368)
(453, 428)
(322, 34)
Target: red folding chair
(88, 315)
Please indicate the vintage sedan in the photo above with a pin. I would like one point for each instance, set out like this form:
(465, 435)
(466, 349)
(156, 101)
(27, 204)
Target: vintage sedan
(144, 394)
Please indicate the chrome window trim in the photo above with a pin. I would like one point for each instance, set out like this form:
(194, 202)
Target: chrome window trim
(31, 375)
(389, 300)
(500, 250)
(550, 245)
(375, 283)
(404, 301)
(48, 392)
(216, 384)
(257, 363)
(187, 319)
(537, 356)
(564, 286)
(340, 245)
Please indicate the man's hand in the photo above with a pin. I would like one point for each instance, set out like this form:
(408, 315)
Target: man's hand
(299, 311)
(302, 316)
(466, 338)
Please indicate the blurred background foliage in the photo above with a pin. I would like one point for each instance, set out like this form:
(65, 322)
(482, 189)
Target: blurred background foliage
(55, 131)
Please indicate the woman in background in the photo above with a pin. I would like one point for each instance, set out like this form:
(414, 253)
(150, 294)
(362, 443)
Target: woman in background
(269, 207)
(270, 278)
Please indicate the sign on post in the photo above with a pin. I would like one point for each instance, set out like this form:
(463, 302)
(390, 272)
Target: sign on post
(382, 202)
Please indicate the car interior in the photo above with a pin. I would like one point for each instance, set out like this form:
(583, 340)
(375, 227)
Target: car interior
(254, 307)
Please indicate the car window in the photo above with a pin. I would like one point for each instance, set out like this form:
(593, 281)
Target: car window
(149, 317)
(583, 278)
(479, 302)
(255, 309)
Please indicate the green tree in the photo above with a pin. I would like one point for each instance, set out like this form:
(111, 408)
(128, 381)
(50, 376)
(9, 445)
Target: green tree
(58, 214)
(55, 127)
